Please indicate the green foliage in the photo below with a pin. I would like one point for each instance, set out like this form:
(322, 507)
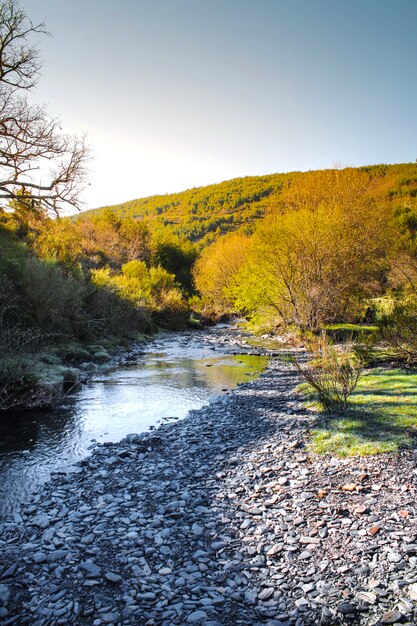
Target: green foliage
(176, 255)
(351, 332)
(151, 288)
(200, 213)
(399, 329)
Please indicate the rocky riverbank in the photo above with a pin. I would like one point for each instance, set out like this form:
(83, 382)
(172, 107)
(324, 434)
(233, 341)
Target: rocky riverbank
(224, 518)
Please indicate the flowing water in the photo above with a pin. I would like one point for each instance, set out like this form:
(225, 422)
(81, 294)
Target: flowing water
(175, 373)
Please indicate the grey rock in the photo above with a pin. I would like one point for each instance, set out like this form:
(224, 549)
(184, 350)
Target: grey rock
(113, 578)
(196, 617)
(251, 596)
(266, 593)
(109, 618)
(39, 557)
(391, 617)
(4, 594)
(346, 608)
(90, 569)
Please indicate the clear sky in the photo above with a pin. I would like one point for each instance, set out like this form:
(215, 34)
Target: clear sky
(175, 94)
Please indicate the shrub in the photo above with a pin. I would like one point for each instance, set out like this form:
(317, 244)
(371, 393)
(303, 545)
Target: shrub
(55, 301)
(399, 329)
(333, 373)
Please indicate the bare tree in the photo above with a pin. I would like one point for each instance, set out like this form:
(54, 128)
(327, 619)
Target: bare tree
(34, 154)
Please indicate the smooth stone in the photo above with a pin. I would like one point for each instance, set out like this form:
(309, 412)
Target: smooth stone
(251, 596)
(390, 617)
(165, 571)
(113, 578)
(4, 594)
(196, 616)
(265, 594)
(39, 557)
(346, 608)
(91, 569)
(10, 571)
(394, 557)
(109, 618)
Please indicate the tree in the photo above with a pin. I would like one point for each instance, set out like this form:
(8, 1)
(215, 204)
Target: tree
(404, 249)
(216, 269)
(34, 155)
(318, 265)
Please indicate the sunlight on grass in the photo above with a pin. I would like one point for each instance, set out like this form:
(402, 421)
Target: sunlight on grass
(382, 417)
(353, 327)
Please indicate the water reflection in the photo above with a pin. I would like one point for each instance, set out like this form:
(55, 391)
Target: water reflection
(176, 373)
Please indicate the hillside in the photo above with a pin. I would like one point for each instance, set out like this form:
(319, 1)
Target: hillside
(203, 213)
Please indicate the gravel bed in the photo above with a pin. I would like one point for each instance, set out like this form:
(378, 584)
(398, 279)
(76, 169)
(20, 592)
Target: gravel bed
(224, 518)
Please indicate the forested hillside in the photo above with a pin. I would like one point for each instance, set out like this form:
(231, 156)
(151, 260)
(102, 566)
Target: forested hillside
(202, 214)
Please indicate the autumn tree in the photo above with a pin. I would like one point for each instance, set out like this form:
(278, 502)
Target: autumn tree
(34, 154)
(316, 266)
(108, 239)
(217, 267)
(330, 187)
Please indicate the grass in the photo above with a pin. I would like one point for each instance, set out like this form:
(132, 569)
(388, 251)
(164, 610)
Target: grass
(352, 327)
(348, 332)
(382, 417)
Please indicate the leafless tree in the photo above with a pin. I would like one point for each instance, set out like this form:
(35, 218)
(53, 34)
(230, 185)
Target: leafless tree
(34, 154)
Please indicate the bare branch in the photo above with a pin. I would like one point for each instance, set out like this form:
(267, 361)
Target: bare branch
(34, 154)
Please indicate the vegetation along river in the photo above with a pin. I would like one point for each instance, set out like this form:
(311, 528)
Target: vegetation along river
(176, 372)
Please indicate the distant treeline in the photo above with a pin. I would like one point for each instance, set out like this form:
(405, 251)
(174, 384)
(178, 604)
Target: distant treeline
(203, 214)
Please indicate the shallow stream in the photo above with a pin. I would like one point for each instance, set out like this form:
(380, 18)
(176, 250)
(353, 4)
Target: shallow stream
(175, 373)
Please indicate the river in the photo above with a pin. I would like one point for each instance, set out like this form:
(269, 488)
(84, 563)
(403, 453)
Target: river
(176, 372)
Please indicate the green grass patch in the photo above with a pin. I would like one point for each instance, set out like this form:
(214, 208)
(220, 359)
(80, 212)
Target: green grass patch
(341, 333)
(358, 328)
(382, 417)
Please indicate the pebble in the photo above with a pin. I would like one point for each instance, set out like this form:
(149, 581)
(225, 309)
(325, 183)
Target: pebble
(196, 617)
(391, 617)
(346, 608)
(113, 578)
(222, 518)
(265, 594)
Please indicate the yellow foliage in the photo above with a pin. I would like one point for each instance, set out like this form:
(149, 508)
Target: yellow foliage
(218, 266)
(316, 264)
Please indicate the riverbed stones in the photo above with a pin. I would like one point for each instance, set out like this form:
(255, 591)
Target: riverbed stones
(90, 569)
(224, 518)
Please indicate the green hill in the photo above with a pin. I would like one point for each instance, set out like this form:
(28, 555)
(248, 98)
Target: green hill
(203, 213)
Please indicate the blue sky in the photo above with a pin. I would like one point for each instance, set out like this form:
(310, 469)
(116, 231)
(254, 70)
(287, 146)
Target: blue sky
(179, 93)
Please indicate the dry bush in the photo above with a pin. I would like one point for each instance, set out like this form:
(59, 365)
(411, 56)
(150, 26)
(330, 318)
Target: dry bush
(332, 372)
